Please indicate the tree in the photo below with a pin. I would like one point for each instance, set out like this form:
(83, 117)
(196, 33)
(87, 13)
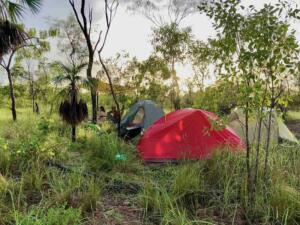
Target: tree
(150, 78)
(25, 66)
(11, 34)
(7, 64)
(72, 40)
(171, 42)
(200, 55)
(166, 12)
(169, 39)
(110, 10)
(72, 110)
(85, 20)
(259, 64)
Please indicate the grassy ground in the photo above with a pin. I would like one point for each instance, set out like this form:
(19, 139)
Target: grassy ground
(46, 179)
(293, 115)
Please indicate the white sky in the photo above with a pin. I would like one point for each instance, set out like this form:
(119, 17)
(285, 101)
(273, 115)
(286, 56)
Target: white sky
(131, 32)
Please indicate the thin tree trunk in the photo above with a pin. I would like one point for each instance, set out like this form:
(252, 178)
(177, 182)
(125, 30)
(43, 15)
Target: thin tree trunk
(12, 95)
(93, 91)
(73, 133)
(113, 93)
(259, 138)
(73, 110)
(258, 145)
(175, 100)
(248, 149)
(266, 175)
(97, 100)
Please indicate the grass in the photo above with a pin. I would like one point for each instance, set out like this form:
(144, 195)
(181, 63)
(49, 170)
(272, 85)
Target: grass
(202, 192)
(293, 115)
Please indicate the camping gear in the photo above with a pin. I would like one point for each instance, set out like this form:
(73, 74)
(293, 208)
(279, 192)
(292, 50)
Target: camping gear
(120, 157)
(93, 127)
(186, 134)
(139, 117)
(279, 131)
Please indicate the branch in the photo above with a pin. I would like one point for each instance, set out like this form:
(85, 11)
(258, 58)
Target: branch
(83, 15)
(90, 20)
(110, 12)
(76, 14)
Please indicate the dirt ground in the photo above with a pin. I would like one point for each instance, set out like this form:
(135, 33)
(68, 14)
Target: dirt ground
(117, 210)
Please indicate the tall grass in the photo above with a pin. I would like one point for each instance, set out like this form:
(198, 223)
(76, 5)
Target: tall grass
(213, 191)
(209, 191)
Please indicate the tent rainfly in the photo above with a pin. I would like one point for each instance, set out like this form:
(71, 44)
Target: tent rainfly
(186, 134)
(278, 131)
(139, 117)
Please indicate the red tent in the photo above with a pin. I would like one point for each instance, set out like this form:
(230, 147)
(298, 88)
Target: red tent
(187, 133)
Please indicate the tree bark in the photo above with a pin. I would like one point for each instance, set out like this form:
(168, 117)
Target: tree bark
(73, 133)
(93, 91)
(32, 96)
(113, 93)
(258, 145)
(266, 174)
(97, 100)
(248, 151)
(12, 95)
(176, 99)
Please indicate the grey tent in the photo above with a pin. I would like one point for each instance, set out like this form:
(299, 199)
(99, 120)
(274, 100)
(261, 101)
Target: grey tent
(139, 117)
(278, 129)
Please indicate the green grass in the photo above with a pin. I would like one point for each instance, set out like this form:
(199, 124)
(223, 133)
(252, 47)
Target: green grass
(202, 192)
(293, 115)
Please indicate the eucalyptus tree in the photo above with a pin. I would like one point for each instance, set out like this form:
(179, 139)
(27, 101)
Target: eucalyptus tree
(27, 62)
(85, 19)
(164, 12)
(7, 64)
(151, 77)
(201, 59)
(261, 65)
(110, 9)
(168, 39)
(171, 43)
(71, 39)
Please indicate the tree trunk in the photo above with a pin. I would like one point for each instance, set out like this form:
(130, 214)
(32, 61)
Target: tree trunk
(175, 100)
(113, 93)
(266, 175)
(97, 100)
(258, 145)
(73, 133)
(12, 95)
(93, 91)
(248, 151)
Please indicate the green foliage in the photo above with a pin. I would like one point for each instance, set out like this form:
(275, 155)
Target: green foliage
(103, 150)
(220, 98)
(171, 42)
(53, 216)
(210, 191)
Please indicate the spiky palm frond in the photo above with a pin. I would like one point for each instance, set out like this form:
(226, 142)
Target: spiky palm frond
(73, 112)
(11, 35)
(70, 73)
(13, 10)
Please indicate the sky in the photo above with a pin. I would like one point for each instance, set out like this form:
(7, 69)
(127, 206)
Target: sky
(129, 32)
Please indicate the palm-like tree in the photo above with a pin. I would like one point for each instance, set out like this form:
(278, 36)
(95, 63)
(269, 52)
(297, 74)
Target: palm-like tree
(11, 34)
(71, 110)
